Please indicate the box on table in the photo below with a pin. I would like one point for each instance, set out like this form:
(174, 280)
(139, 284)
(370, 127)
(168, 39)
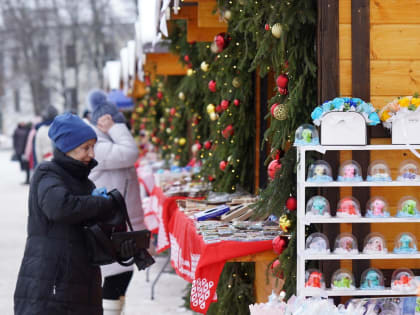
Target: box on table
(343, 128)
(406, 129)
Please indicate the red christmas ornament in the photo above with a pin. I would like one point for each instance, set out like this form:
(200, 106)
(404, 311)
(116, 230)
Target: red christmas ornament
(199, 146)
(219, 109)
(224, 104)
(212, 86)
(282, 81)
(273, 107)
(228, 132)
(211, 178)
(273, 167)
(276, 154)
(291, 203)
(172, 111)
(222, 165)
(187, 58)
(282, 91)
(267, 27)
(147, 80)
(159, 95)
(222, 41)
(236, 102)
(275, 269)
(279, 244)
(142, 126)
(207, 145)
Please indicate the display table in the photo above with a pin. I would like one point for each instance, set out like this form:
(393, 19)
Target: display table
(196, 261)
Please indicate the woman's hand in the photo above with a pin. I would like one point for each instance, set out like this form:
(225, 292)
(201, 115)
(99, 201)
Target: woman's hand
(105, 123)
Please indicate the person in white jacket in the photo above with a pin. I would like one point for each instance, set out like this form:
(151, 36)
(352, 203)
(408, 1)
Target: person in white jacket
(116, 153)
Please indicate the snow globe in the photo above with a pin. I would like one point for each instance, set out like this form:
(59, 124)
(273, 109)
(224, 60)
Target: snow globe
(403, 280)
(372, 279)
(408, 171)
(377, 207)
(375, 244)
(342, 279)
(348, 207)
(405, 243)
(379, 171)
(317, 243)
(345, 243)
(407, 208)
(319, 172)
(350, 171)
(306, 134)
(318, 206)
(314, 279)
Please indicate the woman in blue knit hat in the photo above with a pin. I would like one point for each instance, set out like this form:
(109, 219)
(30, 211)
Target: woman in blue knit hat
(55, 276)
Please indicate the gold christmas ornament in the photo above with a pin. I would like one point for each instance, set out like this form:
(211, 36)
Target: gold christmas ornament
(276, 30)
(227, 15)
(168, 130)
(190, 72)
(213, 48)
(182, 141)
(181, 96)
(236, 82)
(210, 109)
(214, 116)
(204, 66)
(280, 112)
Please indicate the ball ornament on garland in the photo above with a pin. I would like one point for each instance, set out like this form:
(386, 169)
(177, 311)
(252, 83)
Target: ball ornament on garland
(276, 30)
(279, 244)
(227, 15)
(213, 48)
(228, 132)
(284, 223)
(214, 116)
(207, 145)
(273, 168)
(187, 58)
(222, 165)
(275, 269)
(236, 102)
(182, 142)
(291, 203)
(212, 86)
(236, 82)
(196, 147)
(267, 27)
(204, 66)
(279, 111)
(282, 91)
(224, 104)
(168, 130)
(172, 111)
(159, 95)
(210, 109)
(222, 41)
(190, 72)
(219, 109)
(181, 96)
(282, 81)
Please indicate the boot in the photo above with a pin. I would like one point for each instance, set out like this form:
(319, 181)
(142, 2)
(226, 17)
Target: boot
(112, 307)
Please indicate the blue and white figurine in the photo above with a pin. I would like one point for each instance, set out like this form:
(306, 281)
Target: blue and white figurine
(405, 243)
(320, 172)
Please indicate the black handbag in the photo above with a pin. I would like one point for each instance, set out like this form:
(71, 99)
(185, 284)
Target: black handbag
(104, 238)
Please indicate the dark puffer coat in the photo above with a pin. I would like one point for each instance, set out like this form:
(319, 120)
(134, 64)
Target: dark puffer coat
(55, 277)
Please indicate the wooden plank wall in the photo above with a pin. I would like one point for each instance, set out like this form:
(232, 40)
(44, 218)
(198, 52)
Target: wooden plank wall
(394, 71)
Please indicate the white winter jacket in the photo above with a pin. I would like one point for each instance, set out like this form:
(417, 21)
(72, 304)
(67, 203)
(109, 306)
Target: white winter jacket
(116, 153)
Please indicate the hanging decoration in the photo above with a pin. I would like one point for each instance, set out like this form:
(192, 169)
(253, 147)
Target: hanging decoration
(279, 111)
(291, 203)
(212, 86)
(279, 244)
(277, 30)
(222, 40)
(273, 168)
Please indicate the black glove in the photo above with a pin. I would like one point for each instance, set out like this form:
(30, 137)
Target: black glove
(143, 259)
(128, 249)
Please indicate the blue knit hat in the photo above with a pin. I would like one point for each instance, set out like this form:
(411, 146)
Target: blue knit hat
(68, 131)
(101, 105)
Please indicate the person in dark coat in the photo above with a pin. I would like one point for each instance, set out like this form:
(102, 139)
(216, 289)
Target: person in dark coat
(55, 276)
(19, 140)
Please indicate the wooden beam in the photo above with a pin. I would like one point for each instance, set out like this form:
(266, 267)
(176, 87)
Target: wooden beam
(202, 34)
(186, 13)
(164, 64)
(328, 88)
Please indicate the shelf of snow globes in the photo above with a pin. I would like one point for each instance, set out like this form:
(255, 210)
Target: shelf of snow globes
(318, 210)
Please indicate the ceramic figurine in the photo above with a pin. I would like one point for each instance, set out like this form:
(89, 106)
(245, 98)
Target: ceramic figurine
(403, 280)
(320, 171)
(345, 282)
(348, 207)
(372, 281)
(319, 206)
(378, 171)
(375, 244)
(345, 244)
(377, 208)
(408, 208)
(307, 135)
(314, 280)
(406, 244)
(317, 243)
(350, 171)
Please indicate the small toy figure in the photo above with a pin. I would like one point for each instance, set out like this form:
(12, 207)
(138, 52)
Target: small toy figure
(374, 245)
(378, 207)
(318, 245)
(402, 280)
(347, 207)
(345, 282)
(318, 206)
(409, 176)
(349, 171)
(314, 280)
(409, 207)
(319, 170)
(372, 281)
(405, 244)
(307, 135)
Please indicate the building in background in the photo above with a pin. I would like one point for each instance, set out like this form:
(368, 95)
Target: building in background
(54, 51)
